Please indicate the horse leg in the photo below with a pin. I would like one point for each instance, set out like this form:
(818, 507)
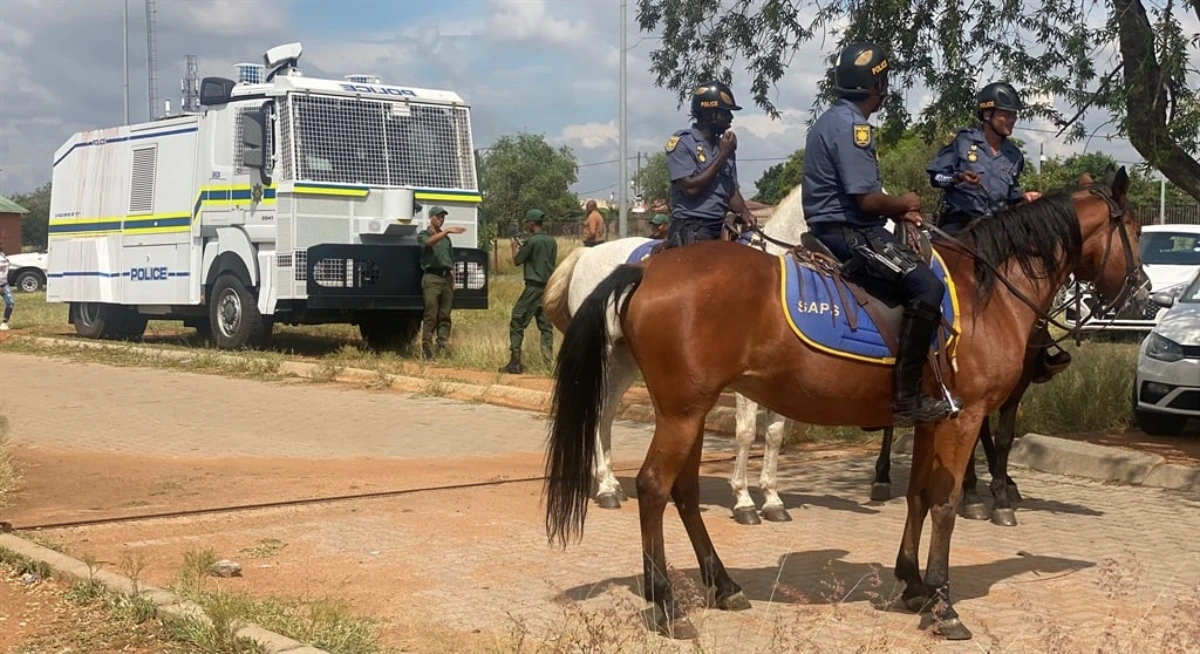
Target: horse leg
(942, 487)
(973, 507)
(622, 371)
(747, 416)
(773, 508)
(670, 450)
(1004, 489)
(908, 567)
(686, 494)
(881, 486)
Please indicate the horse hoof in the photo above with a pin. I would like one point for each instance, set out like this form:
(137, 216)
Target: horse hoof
(746, 517)
(608, 501)
(881, 492)
(952, 629)
(1004, 518)
(776, 514)
(735, 602)
(978, 511)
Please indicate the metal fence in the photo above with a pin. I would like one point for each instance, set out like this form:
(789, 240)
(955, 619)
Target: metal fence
(1174, 214)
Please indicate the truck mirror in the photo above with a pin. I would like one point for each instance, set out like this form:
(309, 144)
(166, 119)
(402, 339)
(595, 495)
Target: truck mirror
(215, 91)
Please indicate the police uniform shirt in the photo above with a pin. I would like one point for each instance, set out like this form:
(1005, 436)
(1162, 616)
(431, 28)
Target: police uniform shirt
(689, 154)
(839, 163)
(998, 173)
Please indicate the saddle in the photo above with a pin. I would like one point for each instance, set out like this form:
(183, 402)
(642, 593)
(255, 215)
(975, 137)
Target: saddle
(883, 308)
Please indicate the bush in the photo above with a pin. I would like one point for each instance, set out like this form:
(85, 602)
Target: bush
(1091, 395)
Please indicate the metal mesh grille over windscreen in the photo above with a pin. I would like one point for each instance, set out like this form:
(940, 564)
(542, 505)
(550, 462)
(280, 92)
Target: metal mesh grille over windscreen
(353, 141)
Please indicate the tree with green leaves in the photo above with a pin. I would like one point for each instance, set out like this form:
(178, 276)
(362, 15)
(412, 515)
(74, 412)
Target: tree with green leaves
(779, 180)
(1052, 48)
(654, 180)
(522, 172)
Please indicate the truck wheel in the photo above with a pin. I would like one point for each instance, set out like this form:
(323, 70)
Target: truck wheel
(233, 315)
(90, 319)
(126, 323)
(30, 281)
(389, 332)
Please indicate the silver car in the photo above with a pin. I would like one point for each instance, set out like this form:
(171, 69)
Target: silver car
(1166, 386)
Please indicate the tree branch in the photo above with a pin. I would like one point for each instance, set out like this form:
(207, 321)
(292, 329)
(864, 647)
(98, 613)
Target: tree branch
(1147, 99)
(1103, 87)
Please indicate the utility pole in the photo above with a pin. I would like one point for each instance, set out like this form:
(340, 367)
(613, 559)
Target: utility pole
(623, 185)
(125, 53)
(1162, 198)
(151, 63)
(638, 176)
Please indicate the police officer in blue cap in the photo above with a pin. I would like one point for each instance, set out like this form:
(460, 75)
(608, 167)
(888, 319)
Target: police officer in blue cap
(703, 169)
(980, 167)
(845, 207)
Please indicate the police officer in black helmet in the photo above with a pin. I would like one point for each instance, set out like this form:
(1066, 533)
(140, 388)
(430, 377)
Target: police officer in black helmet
(845, 207)
(703, 169)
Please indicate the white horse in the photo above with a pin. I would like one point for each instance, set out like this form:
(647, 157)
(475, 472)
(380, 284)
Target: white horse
(573, 280)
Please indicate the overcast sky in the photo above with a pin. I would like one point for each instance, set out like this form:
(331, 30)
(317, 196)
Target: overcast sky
(546, 66)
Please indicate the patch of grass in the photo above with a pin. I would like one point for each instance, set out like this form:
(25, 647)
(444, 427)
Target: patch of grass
(1091, 395)
(265, 548)
(9, 478)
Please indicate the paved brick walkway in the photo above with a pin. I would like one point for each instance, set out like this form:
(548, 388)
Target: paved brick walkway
(1087, 560)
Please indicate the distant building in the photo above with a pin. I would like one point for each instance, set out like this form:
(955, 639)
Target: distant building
(10, 224)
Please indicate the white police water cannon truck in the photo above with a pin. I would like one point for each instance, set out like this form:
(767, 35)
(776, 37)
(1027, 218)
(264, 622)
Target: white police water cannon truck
(284, 199)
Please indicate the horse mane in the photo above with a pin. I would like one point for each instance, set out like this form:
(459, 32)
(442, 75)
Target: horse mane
(1031, 233)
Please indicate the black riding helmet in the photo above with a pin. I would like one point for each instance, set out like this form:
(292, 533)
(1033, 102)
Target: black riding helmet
(997, 95)
(712, 95)
(859, 66)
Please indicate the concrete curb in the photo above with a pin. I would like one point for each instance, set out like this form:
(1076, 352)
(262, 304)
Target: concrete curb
(166, 603)
(633, 407)
(1063, 456)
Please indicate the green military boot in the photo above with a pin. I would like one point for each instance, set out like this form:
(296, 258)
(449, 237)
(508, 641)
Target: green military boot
(514, 363)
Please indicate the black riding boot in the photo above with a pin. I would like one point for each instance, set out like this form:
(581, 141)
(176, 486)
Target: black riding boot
(909, 404)
(1046, 365)
(514, 363)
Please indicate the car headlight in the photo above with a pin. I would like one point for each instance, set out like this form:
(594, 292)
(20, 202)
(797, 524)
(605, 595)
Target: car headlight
(1163, 349)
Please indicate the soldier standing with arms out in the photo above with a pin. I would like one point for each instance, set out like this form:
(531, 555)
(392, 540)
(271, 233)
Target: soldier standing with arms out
(437, 281)
(979, 170)
(844, 205)
(538, 255)
(703, 170)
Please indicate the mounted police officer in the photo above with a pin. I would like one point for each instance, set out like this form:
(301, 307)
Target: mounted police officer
(979, 171)
(845, 207)
(980, 167)
(703, 169)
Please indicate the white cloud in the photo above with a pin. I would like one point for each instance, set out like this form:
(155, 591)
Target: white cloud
(591, 135)
(530, 21)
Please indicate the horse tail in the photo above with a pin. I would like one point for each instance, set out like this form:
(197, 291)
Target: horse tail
(554, 299)
(580, 376)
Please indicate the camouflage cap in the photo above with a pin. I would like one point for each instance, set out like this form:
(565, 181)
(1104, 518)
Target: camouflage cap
(660, 219)
(435, 210)
(535, 216)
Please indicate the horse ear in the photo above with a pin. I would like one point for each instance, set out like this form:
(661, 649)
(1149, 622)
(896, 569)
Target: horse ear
(1119, 186)
(1109, 175)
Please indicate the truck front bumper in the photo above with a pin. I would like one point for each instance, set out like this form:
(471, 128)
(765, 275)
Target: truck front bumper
(387, 277)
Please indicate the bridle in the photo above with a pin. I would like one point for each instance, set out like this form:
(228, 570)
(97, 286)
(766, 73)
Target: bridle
(1116, 221)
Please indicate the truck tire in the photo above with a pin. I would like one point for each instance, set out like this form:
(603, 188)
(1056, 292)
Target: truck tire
(30, 281)
(233, 315)
(387, 332)
(107, 321)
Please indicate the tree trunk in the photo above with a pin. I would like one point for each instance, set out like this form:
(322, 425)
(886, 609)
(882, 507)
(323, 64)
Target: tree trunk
(1147, 99)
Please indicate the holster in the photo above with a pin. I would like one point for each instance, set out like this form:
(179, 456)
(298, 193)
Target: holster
(876, 258)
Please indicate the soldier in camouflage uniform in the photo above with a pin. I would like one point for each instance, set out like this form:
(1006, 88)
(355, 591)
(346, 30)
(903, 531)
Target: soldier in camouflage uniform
(437, 282)
(538, 255)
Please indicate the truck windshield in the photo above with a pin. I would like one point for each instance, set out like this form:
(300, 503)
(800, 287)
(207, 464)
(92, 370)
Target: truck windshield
(354, 141)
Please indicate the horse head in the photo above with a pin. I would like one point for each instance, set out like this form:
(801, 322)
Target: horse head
(1109, 257)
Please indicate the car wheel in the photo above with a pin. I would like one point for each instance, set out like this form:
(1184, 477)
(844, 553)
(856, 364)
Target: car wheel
(1155, 423)
(30, 282)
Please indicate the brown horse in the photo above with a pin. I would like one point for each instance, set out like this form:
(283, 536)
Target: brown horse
(683, 314)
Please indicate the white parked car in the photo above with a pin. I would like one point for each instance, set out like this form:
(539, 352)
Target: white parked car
(1166, 386)
(1170, 257)
(27, 272)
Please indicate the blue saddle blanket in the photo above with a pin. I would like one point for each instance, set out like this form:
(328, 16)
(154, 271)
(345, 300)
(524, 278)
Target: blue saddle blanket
(821, 321)
(642, 251)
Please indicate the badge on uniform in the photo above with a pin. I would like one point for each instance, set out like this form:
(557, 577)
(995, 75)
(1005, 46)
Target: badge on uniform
(671, 143)
(971, 156)
(700, 153)
(862, 135)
